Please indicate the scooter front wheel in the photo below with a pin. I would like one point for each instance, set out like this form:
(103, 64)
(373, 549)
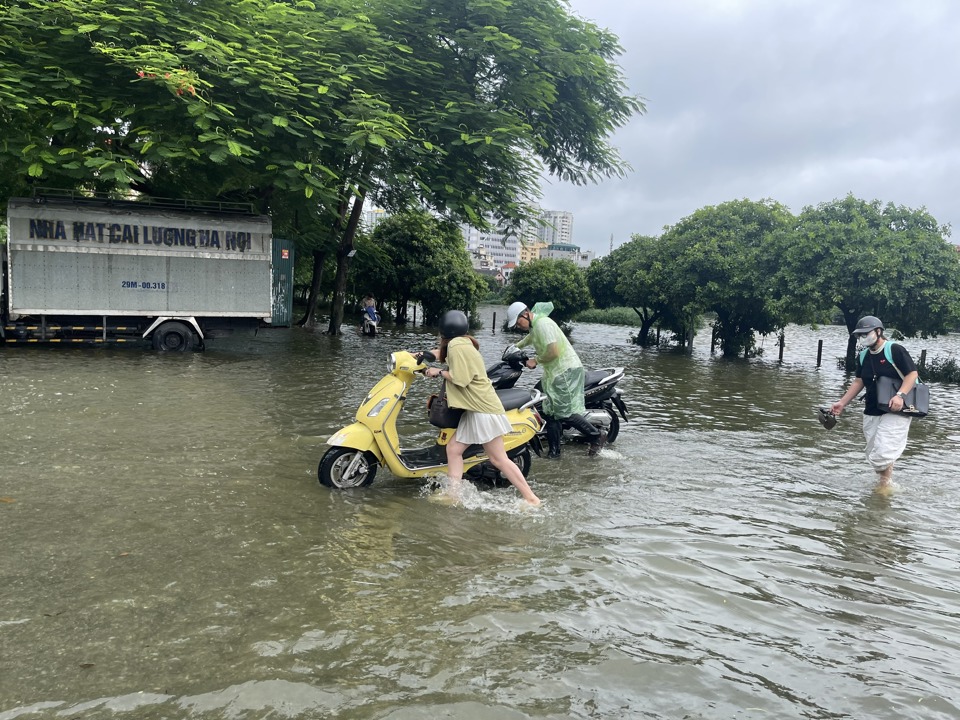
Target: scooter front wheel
(339, 471)
(614, 431)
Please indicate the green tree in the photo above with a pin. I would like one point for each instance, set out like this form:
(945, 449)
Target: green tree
(557, 281)
(636, 275)
(458, 108)
(415, 257)
(868, 258)
(724, 263)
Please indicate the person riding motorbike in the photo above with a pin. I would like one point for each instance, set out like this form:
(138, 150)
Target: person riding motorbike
(369, 306)
(563, 374)
(484, 421)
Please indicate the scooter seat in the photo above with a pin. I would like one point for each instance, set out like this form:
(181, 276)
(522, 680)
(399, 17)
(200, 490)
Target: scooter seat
(593, 377)
(513, 398)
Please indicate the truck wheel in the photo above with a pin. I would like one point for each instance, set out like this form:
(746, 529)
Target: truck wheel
(174, 337)
(335, 462)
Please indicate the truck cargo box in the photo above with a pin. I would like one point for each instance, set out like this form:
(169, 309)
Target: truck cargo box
(122, 259)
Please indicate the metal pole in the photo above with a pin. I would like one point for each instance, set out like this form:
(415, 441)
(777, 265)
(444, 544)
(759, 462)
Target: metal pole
(819, 352)
(494, 322)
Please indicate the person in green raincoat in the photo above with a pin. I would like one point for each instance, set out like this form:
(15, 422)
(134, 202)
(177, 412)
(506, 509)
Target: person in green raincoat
(562, 374)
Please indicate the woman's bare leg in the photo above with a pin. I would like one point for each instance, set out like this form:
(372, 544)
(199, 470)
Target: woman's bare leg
(498, 456)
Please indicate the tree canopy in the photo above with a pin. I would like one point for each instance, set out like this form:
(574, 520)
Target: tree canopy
(310, 109)
(868, 258)
(557, 281)
(415, 257)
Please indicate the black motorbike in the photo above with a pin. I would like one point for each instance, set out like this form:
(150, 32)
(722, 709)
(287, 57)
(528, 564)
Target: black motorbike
(601, 396)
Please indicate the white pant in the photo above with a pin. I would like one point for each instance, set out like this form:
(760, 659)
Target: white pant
(886, 437)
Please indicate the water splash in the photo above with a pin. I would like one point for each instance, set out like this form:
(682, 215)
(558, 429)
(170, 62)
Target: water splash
(464, 494)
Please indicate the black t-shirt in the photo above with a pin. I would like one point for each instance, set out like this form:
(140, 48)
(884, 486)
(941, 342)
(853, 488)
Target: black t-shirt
(875, 365)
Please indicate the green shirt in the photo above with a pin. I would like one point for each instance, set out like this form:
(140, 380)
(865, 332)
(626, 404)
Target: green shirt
(469, 387)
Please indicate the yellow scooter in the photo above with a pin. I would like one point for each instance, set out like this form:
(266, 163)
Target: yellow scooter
(359, 448)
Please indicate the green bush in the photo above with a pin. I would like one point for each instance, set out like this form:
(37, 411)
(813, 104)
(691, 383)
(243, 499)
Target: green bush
(941, 370)
(610, 316)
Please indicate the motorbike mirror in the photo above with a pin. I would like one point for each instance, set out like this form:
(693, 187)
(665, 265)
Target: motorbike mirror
(427, 356)
(510, 351)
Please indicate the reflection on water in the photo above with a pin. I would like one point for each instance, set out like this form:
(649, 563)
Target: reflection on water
(168, 551)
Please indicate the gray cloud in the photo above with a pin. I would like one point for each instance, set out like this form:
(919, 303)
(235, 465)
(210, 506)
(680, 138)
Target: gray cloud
(795, 100)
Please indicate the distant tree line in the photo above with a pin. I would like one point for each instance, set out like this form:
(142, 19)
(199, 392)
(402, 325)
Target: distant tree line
(752, 266)
(756, 268)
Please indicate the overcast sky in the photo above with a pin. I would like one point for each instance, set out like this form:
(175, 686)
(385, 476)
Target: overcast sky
(795, 100)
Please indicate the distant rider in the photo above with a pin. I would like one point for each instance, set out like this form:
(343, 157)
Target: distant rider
(563, 374)
(369, 306)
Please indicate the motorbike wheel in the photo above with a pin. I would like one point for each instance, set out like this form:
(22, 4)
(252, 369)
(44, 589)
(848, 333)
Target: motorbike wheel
(614, 430)
(335, 462)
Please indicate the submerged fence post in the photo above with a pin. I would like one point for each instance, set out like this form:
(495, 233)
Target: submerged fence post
(414, 315)
(923, 360)
(782, 341)
(819, 352)
(494, 322)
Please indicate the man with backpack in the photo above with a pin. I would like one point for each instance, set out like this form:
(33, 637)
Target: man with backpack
(884, 428)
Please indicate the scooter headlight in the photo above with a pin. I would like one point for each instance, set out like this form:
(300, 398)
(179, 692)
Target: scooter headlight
(392, 365)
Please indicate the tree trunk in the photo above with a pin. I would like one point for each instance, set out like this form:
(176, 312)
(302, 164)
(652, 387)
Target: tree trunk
(344, 252)
(319, 257)
(850, 318)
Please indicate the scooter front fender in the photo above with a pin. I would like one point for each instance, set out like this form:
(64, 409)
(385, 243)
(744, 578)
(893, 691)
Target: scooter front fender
(356, 436)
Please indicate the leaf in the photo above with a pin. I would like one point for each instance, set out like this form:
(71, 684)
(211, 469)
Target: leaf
(88, 28)
(35, 170)
(280, 121)
(308, 191)
(235, 148)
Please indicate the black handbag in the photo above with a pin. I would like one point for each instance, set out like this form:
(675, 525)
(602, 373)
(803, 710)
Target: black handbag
(916, 403)
(442, 415)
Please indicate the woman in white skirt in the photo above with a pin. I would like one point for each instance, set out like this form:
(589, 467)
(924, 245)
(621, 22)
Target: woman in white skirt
(484, 421)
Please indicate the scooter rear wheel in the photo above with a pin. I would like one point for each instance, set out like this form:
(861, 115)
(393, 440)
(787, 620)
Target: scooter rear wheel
(335, 462)
(522, 460)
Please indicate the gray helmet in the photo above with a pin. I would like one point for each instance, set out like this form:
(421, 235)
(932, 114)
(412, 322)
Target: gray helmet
(453, 324)
(868, 323)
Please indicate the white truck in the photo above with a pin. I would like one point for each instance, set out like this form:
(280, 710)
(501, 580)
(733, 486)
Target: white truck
(171, 274)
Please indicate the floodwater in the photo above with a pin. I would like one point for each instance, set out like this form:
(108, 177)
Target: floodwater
(167, 552)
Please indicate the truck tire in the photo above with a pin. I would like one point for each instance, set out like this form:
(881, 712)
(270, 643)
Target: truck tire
(174, 336)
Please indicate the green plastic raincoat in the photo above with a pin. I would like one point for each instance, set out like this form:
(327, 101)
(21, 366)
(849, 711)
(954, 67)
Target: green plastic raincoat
(562, 370)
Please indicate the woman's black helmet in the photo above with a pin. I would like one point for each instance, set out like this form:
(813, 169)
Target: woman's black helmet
(868, 323)
(453, 324)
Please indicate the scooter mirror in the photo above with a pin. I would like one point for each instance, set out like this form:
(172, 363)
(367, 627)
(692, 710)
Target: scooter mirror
(427, 356)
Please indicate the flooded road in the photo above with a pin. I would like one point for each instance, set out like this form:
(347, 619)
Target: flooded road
(167, 551)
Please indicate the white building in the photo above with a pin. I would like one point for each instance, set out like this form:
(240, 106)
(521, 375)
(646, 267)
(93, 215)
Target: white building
(569, 251)
(556, 227)
(369, 219)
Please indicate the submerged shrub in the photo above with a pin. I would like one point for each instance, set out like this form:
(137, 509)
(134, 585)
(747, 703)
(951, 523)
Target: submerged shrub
(941, 370)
